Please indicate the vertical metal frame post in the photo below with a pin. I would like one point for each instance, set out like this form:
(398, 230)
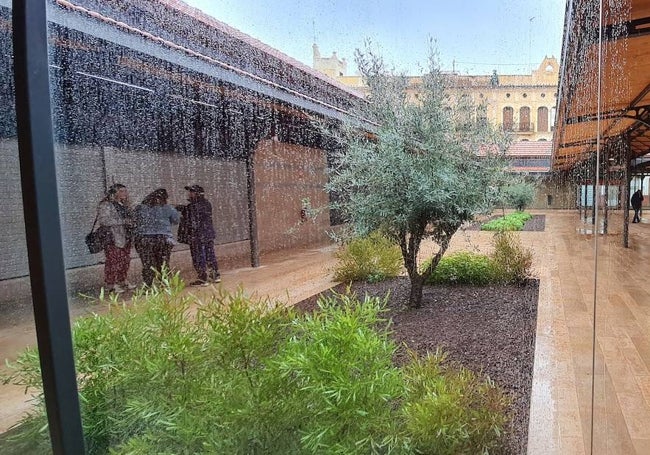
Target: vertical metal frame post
(252, 209)
(43, 229)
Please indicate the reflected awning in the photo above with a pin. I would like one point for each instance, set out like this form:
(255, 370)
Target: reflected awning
(621, 52)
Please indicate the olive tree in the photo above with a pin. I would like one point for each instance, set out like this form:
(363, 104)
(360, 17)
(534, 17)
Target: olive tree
(520, 195)
(424, 167)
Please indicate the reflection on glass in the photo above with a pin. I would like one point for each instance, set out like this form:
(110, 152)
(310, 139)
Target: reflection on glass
(172, 95)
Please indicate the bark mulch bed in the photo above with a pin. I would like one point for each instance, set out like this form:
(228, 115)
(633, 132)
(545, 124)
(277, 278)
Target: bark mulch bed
(490, 330)
(487, 329)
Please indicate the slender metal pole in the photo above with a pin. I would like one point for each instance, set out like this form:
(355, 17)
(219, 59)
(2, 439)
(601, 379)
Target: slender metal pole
(252, 209)
(594, 187)
(627, 177)
(606, 188)
(43, 229)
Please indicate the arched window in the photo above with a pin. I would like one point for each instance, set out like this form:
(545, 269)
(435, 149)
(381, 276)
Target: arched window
(508, 118)
(524, 119)
(542, 119)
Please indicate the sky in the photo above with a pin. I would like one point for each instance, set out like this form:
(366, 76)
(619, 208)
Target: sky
(472, 36)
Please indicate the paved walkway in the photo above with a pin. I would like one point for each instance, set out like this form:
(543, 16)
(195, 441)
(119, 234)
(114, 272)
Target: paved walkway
(561, 400)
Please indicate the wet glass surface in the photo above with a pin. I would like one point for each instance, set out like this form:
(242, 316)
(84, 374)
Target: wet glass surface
(162, 95)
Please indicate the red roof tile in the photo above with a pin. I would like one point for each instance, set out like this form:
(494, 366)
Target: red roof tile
(530, 148)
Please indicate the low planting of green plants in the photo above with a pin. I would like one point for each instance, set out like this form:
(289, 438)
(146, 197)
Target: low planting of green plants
(464, 268)
(510, 262)
(170, 374)
(511, 222)
(449, 410)
(373, 258)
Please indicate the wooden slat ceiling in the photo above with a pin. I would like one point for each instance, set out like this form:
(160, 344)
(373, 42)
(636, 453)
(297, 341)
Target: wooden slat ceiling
(625, 83)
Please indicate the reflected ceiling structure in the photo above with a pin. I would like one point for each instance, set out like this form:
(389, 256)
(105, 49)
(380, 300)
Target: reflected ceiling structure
(619, 52)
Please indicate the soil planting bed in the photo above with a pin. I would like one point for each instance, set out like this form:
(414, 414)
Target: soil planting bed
(487, 329)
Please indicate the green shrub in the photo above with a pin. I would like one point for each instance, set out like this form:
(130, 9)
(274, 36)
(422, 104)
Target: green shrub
(512, 261)
(464, 268)
(511, 222)
(450, 410)
(341, 379)
(520, 195)
(155, 377)
(373, 258)
(169, 373)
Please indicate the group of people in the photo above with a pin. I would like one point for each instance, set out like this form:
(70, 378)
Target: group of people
(148, 227)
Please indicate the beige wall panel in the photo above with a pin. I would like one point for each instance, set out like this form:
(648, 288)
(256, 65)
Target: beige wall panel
(286, 174)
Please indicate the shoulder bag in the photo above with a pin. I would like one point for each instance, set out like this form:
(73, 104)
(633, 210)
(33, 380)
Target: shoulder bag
(98, 239)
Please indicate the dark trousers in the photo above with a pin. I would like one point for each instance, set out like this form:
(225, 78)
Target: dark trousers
(636, 218)
(203, 256)
(154, 251)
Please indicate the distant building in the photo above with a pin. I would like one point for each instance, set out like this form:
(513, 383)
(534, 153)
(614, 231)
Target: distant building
(522, 105)
(331, 66)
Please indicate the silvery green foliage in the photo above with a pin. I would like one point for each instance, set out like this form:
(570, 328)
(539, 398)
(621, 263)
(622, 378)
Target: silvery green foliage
(426, 167)
(520, 195)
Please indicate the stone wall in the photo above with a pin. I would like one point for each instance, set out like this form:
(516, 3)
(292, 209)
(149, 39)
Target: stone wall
(84, 172)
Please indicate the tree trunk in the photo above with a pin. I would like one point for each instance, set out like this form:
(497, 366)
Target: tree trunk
(415, 298)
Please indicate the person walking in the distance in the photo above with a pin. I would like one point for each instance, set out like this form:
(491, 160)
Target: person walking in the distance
(114, 213)
(154, 239)
(197, 230)
(637, 200)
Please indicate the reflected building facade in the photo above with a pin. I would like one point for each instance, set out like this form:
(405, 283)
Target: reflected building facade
(158, 94)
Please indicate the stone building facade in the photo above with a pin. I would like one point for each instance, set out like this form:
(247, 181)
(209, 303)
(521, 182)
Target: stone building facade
(522, 105)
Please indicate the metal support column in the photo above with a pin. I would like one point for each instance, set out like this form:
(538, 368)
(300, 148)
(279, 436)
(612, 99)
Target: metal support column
(43, 229)
(606, 185)
(252, 209)
(626, 197)
(594, 198)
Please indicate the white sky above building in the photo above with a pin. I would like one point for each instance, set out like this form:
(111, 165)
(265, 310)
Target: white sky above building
(473, 36)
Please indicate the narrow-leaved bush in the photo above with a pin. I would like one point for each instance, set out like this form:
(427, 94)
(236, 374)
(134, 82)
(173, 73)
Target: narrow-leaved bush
(449, 410)
(464, 268)
(373, 258)
(169, 373)
(512, 260)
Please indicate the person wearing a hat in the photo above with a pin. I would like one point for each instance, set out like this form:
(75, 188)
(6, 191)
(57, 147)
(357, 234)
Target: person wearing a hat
(154, 239)
(199, 234)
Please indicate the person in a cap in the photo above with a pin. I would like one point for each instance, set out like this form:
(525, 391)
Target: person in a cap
(199, 234)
